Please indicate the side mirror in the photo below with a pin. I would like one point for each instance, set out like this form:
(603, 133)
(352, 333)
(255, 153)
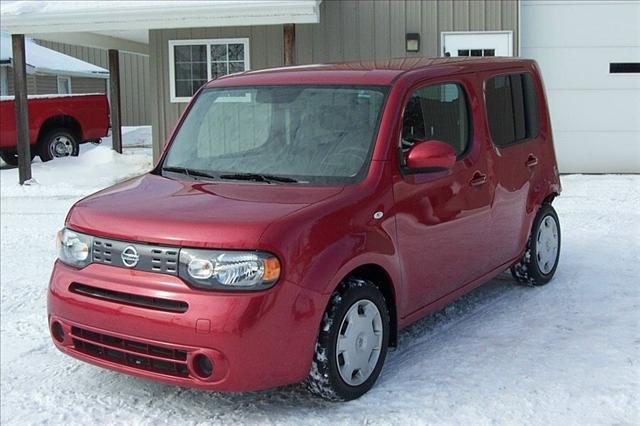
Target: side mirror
(430, 155)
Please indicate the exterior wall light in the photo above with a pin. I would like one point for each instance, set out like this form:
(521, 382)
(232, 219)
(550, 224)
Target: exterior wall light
(413, 42)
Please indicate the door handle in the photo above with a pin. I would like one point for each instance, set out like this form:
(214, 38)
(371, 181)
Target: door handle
(478, 179)
(532, 161)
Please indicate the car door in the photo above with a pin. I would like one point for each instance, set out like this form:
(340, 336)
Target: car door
(513, 118)
(443, 218)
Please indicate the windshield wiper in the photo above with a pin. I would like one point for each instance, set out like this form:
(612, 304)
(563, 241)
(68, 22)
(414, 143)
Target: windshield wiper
(188, 172)
(257, 177)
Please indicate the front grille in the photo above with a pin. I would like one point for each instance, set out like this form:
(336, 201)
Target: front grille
(102, 251)
(143, 356)
(151, 258)
(130, 299)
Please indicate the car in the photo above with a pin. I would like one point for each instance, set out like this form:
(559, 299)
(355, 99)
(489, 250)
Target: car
(58, 124)
(300, 217)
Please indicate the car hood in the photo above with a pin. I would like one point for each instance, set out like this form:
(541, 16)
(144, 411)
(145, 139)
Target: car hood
(156, 209)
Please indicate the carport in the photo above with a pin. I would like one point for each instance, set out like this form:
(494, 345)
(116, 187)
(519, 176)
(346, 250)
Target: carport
(124, 26)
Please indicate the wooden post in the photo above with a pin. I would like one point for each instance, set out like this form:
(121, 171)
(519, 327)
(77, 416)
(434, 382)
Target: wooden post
(289, 33)
(114, 90)
(22, 108)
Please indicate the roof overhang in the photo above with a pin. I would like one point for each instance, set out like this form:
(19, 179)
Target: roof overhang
(107, 23)
(47, 71)
(41, 60)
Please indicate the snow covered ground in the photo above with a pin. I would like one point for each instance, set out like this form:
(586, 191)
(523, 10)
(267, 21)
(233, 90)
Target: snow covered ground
(567, 353)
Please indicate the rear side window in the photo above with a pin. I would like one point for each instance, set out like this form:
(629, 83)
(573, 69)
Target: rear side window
(512, 108)
(437, 112)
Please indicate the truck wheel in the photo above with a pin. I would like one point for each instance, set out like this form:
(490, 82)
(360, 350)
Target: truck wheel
(352, 343)
(58, 143)
(540, 260)
(11, 158)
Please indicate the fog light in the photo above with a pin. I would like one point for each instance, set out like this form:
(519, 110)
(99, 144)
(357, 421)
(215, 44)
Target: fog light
(202, 365)
(57, 331)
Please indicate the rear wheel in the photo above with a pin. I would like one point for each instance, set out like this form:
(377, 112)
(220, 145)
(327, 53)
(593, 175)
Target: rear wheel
(11, 158)
(58, 143)
(352, 343)
(540, 260)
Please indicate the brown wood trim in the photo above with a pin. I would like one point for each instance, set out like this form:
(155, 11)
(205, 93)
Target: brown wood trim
(114, 83)
(21, 106)
(289, 35)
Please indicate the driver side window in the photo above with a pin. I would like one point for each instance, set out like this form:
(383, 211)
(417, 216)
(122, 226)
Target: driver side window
(437, 112)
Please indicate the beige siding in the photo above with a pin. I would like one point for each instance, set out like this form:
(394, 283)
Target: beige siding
(134, 79)
(375, 29)
(31, 83)
(48, 84)
(348, 30)
(88, 85)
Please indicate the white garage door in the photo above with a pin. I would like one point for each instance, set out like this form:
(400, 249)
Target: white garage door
(595, 110)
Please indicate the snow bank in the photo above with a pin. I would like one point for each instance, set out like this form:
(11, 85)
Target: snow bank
(136, 136)
(96, 167)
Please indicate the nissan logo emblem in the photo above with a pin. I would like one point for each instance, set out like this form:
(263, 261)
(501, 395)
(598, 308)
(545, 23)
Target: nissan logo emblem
(130, 256)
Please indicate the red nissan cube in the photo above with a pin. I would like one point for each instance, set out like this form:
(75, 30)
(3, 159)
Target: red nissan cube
(300, 217)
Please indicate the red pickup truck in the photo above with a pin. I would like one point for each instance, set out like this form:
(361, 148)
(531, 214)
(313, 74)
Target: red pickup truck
(57, 124)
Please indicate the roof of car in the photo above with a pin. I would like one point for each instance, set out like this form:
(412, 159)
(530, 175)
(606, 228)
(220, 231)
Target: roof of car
(378, 72)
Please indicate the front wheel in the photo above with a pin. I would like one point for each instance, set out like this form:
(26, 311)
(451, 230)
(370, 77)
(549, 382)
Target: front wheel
(539, 262)
(58, 143)
(352, 343)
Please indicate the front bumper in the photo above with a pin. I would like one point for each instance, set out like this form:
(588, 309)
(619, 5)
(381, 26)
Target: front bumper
(254, 340)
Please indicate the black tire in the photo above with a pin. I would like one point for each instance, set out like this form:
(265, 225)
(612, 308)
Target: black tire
(53, 141)
(11, 158)
(529, 270)
(325, 379)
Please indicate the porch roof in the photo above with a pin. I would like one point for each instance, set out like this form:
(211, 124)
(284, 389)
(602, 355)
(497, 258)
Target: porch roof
(125, 25)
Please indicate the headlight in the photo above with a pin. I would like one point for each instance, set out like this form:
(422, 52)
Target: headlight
(74, 248)
(228, 270)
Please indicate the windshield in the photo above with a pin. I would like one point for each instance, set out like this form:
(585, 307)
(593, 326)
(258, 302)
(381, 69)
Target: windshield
(303, 134)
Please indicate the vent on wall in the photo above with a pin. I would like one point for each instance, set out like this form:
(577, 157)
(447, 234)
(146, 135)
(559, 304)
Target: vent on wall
(624, 67)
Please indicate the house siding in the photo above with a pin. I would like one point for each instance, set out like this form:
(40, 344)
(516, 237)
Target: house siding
(31, 83)
(134, 79)
(375, 29)
(41, 84)
(348, 30)
(47, 84)
(88, 85)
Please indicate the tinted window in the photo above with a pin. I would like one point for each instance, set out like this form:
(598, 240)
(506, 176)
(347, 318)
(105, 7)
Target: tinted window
(437, 112)
(512, 109)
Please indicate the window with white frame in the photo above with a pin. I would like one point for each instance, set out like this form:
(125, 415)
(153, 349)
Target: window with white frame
(193, 62)
(64, 85)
